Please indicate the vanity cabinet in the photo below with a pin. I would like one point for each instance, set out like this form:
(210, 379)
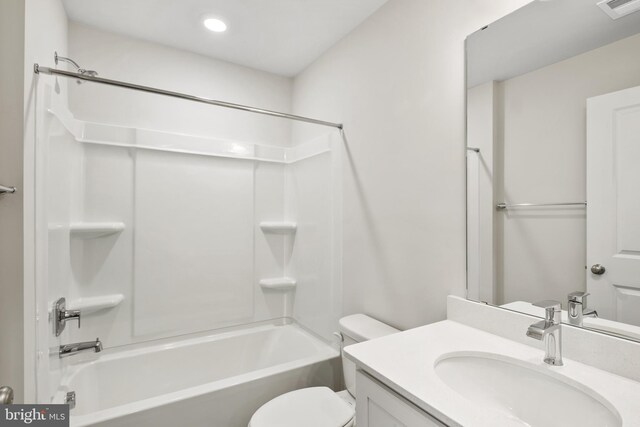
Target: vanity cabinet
(379, 406)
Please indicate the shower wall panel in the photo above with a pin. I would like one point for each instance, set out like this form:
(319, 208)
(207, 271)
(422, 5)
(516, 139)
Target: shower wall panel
(270, 249)
(59, 184)
(104, 266)
(193, 267)
(314, 198)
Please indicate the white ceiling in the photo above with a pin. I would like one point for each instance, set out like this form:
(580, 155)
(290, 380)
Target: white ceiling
(278, 36)
(540, 34)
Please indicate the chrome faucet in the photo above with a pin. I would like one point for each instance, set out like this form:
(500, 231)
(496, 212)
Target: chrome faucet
(61, 315)
(71, 349)
(549, 330)
(577, 309)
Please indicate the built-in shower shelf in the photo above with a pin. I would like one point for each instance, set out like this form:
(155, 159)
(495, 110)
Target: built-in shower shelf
(92, 230)
(93, 304)
(281, 227)
(279, 283)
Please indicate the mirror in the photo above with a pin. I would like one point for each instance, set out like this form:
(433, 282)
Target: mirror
(553, 162)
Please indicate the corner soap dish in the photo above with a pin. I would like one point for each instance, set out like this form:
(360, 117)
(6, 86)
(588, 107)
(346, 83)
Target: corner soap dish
(93, 304)
(280, 227)
(92, 230)
(279, 283)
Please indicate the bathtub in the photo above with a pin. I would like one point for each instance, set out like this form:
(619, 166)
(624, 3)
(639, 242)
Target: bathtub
(216, 380)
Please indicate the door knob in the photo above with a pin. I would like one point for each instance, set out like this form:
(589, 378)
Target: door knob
(6, 395)
(598, 269)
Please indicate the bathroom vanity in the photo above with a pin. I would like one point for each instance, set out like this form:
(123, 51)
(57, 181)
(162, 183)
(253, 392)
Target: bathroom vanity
(549, 335)
(377, 405)
(463, 371)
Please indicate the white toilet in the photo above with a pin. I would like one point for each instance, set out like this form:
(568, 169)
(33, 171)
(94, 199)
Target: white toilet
(320, 406)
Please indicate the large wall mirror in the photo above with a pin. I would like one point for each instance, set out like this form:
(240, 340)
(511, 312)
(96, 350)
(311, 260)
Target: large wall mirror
(553, 162)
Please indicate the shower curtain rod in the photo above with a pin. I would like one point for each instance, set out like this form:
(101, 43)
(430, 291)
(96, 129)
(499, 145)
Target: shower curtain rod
(55, 72)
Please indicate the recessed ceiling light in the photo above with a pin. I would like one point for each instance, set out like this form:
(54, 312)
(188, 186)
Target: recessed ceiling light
(215, 25)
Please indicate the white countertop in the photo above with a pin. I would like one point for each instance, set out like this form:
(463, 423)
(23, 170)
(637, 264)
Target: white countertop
(405, 362)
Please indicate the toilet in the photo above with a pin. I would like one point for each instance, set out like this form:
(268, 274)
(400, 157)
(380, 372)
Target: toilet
(321, 406)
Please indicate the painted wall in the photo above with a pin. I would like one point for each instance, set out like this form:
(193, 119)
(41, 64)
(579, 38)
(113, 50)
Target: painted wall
(11, 226)
(123, 58)
(397, 83)
(543, 144)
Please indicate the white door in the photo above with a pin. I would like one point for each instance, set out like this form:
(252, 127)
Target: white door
(613, 211)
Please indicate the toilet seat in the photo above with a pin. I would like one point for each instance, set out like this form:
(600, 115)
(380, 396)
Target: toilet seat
(309, 407)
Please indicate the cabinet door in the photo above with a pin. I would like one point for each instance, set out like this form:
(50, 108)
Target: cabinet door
(378, 406)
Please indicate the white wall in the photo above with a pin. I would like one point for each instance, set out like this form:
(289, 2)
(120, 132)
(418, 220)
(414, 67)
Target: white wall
(11, 225)
(135, 61)
(543, 145)
(397, 82)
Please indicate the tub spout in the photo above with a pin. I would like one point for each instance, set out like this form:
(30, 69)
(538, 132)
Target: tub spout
(79, 347)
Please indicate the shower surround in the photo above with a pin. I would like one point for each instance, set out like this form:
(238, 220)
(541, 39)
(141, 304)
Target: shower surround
(166, 237)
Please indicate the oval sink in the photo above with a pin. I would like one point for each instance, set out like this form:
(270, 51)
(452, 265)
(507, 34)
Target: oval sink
(524, 392)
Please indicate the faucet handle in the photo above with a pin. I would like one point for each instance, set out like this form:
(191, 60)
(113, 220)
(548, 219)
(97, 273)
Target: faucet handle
(579, 297)
(553, 310)
(62, 315)
(72, 315)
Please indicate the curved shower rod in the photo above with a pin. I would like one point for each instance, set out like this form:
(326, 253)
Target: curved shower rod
(57, 58)
(92, 77)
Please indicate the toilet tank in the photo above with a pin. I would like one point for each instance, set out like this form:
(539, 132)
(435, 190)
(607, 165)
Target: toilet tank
(354, 329)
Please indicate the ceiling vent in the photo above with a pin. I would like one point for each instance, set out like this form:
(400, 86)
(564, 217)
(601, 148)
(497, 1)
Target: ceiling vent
(619, 8)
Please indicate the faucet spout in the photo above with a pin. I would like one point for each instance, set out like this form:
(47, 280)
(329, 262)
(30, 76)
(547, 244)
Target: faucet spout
(80, 347)
(537, 330)
(549, 331)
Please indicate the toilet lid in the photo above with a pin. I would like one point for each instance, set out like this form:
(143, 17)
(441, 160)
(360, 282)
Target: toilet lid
(309, 407)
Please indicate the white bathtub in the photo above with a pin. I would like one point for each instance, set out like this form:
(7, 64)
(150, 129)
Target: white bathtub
(217, 380)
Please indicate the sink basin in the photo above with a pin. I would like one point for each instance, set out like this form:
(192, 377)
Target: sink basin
(525, 393)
